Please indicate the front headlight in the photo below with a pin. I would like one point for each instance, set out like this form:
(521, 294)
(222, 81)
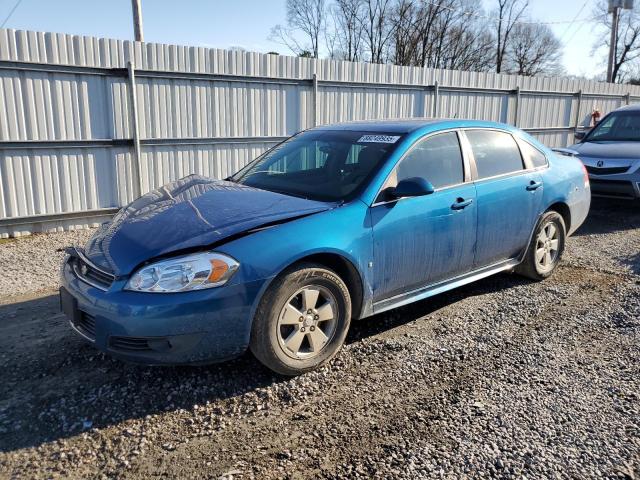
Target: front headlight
(179, 274)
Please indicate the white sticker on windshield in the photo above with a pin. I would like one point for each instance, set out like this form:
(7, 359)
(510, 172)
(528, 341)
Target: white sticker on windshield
(379, 139)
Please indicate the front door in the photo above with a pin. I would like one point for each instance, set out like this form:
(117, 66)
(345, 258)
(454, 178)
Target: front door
(419, 241)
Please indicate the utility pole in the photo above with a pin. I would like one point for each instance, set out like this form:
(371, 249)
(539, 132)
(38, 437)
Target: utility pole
(137, 20)
(613, 43)
(614, 9)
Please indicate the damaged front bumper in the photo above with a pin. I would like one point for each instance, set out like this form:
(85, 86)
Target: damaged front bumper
(203, 326)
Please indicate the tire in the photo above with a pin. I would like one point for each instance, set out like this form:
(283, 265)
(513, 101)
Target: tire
(545, 249)
(302, 320)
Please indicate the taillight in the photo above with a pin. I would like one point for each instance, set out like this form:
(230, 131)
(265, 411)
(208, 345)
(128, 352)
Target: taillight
(586, 175)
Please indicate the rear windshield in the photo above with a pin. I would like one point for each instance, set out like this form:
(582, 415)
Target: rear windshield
(320, 165)
(618, 126)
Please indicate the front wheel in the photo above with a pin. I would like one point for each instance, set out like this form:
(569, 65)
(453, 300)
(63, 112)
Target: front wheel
(302, 320)
(545, 248)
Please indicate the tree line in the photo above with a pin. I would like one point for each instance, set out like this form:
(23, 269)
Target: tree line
(451, 34)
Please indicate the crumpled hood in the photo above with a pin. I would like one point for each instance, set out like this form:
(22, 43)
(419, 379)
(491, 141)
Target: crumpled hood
(605, 150)
(191, 212)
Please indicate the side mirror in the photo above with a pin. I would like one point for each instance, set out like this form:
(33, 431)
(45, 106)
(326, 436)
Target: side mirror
(412, 187)
(580, 134)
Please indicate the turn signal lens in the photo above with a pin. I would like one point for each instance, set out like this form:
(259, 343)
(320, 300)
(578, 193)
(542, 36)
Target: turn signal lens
(218, 270)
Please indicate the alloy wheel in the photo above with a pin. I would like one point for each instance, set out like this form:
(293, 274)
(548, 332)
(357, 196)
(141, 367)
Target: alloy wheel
(307, 322)
(547, 245)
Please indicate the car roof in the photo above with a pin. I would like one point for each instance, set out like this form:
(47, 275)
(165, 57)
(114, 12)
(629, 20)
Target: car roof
(634, 107)
(408, 125)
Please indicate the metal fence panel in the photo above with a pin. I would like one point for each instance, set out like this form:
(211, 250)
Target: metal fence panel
(476, 105)
(340, 104)
(43, 181)
(70, 152)
(165, 163)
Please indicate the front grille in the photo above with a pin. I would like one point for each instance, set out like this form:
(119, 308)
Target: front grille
(86, 325)
(90, 274)
(606, 170)
(130, 344)
(612, 188)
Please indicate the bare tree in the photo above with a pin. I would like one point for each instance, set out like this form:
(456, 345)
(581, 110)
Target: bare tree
(533, 50)
(509, 13)
(378, 30)
(404, 18)
(346, 34)
(440, 35)
(306, 17)
(627, 48)
(469, 45)
(452, 34)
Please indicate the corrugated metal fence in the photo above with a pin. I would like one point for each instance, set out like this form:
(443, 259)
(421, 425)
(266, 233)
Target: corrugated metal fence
(87, 124)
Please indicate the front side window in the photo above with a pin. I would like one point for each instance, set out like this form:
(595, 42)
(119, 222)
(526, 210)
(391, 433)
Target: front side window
(320, 164)
(437, 159)
(495, 152)
(618, 126)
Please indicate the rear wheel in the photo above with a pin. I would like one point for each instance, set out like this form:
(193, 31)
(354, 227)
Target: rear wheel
(545, 249)
(302, 320)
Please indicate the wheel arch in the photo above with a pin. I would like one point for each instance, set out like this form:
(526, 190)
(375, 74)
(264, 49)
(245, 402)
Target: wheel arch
(565, 212)
(345, 269)
(341, 264)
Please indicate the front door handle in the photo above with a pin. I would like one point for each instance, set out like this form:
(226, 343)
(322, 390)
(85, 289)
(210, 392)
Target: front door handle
(461, 203)
(534, 185)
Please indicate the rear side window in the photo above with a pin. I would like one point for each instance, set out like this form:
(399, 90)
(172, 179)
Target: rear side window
(531, 153)
(496, 153)
(437, 159)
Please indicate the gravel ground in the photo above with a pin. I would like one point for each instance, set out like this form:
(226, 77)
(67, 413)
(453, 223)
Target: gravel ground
(31, 264)
(503, 378)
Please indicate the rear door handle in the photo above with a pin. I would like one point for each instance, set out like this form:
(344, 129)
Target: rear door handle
(534, 185)
(461, 203)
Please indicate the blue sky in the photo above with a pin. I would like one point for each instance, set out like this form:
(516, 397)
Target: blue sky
(245, 23)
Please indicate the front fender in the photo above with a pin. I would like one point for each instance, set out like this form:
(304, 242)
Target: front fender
(343, 231)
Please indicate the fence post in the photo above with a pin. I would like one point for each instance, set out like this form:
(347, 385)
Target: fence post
(314, 83)
(578, 107)
(628, 98)
(436, 99)
(133, 98)
(516, 113)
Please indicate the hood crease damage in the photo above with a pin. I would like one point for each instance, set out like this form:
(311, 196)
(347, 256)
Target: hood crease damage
(187, 215)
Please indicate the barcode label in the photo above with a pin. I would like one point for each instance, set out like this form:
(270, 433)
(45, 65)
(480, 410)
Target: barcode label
(379, 139)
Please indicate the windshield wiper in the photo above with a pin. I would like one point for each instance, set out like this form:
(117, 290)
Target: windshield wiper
(609, 139)
(282, 192)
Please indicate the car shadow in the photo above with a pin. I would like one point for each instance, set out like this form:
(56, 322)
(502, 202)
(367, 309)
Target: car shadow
(56, 386)
(610, 215)
(382, 322)
(633, 262)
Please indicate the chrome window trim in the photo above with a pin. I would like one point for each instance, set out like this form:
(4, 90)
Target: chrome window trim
(466, 171)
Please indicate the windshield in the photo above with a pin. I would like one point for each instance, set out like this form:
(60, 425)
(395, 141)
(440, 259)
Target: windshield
(320, 164)
(618, 126)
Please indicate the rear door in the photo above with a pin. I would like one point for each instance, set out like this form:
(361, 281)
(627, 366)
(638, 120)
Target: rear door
(509, 196)
(422, 240)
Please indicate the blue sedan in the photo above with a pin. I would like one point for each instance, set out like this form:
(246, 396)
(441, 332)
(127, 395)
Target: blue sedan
(337, 223)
